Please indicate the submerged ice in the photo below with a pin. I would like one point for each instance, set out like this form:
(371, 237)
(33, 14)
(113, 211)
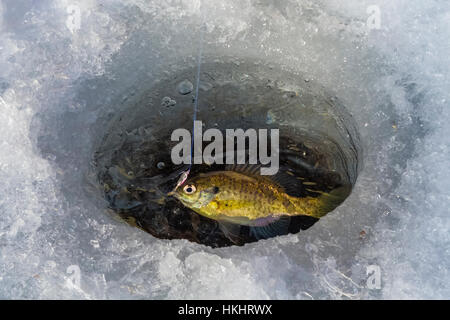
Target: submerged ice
(67, 67)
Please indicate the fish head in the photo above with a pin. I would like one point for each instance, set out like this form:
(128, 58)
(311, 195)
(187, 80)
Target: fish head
(196, 192)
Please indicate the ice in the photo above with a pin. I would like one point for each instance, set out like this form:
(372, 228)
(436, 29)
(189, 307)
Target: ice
(63, 76)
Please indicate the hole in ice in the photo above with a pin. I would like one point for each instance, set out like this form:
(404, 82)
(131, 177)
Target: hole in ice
(319, 144)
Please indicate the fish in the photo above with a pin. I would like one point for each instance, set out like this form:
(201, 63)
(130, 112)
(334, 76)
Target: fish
(239, 196)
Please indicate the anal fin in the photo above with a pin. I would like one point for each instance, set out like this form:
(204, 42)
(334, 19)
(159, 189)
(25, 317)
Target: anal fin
(277, 228)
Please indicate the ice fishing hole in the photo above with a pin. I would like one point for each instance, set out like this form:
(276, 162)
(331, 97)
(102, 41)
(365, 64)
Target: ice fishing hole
(319, 143)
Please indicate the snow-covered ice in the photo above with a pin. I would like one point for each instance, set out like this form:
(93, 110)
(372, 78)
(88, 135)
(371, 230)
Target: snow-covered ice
(65, 64)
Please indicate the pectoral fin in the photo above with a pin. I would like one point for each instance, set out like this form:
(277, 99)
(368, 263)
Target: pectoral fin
(232, 231)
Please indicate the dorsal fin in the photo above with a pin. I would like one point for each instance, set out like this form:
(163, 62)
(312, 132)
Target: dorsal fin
(249, 169)
(253, 170)
(287, 183)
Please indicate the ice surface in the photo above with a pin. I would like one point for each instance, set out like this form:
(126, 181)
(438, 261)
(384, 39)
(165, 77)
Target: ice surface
(59, 82)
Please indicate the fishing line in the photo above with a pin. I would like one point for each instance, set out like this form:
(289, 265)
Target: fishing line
(185, 174)
(197, 84)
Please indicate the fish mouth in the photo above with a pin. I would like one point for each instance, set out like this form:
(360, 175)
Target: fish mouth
(174, 194)
(182, 199)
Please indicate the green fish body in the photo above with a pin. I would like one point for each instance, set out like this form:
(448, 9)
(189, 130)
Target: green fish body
(246, 198)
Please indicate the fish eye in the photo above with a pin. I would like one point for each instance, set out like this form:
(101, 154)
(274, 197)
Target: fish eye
(189, 189)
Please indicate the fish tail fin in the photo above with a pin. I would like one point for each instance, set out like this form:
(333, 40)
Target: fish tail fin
(331, 200)
(318, 207)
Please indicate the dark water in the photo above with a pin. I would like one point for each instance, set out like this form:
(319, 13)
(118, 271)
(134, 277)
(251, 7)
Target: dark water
(318, 143)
